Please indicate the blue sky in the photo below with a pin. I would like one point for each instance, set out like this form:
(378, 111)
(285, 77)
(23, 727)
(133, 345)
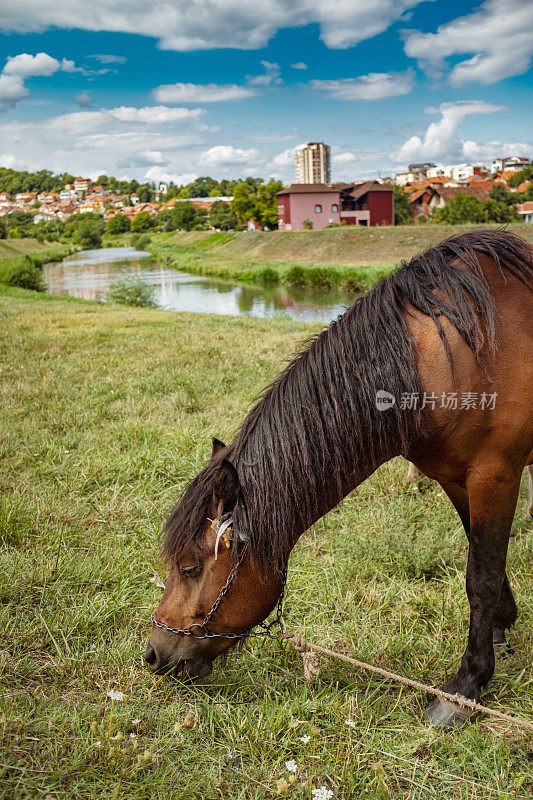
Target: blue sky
(230, 87)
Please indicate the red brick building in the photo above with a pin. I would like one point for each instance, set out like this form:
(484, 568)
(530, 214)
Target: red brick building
(365, 203)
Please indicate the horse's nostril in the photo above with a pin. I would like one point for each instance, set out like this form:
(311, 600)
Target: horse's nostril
(151, 656)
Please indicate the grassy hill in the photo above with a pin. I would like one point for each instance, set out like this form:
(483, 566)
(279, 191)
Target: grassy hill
(350, 257)
(106, 413)
(345, 245)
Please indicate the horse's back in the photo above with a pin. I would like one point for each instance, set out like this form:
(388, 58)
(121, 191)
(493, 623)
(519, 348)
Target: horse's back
(492, 419)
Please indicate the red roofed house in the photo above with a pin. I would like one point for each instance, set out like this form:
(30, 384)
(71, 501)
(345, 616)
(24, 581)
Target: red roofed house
(426, 200)
(365, 203)
(521, 188)
(420, 200)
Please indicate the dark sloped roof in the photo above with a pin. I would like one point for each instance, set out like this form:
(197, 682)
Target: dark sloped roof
(356, 189)
(359, 189)
(308, 188)
(448, 192)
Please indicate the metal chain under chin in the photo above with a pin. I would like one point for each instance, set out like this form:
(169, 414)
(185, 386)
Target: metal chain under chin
(267, 628)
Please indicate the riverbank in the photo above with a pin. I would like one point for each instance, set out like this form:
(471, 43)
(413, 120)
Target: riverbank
(107, 412)
(21, 259)
(349, 259)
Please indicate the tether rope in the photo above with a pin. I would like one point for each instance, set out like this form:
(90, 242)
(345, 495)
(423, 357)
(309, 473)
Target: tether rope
(302, 645)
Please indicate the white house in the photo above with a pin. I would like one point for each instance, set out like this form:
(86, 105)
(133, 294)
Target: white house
(510, 164)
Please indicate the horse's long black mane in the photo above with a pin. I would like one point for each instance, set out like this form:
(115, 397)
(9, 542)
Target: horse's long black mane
(317, 423)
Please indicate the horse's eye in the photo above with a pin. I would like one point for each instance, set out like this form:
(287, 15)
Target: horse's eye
(190, 572)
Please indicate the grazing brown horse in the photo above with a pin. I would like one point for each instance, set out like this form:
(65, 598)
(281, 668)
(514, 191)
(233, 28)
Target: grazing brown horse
(434, 364)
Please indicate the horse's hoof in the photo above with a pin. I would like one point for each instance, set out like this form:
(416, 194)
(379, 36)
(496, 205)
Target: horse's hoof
(446, 715)
(498, 636)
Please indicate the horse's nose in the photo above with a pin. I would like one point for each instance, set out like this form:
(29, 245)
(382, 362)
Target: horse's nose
(153, 657)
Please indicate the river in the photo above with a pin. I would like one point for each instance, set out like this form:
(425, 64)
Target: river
(87, 274)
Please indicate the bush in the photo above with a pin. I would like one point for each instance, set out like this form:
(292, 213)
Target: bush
(88, 236)
(402, 207)
(140, 241)
(118, 224)
(23, 273)
(296, 276)
(221, 216)
(142, 222)
(268, 275)
(307, 225)
(131, 290)
(318, 277)
(85, 229)
(19, 225)
(323, 277)
(466, 208)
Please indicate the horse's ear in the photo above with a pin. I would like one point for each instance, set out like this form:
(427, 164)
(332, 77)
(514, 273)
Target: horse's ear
(217, 446)
(225, 485)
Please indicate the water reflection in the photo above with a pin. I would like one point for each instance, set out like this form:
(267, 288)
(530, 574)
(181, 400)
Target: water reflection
(89, 273)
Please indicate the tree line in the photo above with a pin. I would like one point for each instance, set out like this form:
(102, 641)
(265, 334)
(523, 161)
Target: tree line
(87, 229)
(19, 181)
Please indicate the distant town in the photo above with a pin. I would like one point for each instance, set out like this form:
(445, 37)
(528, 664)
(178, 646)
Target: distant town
(313, 201)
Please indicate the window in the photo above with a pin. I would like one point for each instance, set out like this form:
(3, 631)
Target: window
(318, 209)
(334, 207)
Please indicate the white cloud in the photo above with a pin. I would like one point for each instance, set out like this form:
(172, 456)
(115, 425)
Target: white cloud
(224, 155)
(69, 66)
(217, 23)
(200, 93)
(108, 59)
(368, 162)
(83, 100)
(499, 37)
(18, 68)
(344, 158)
(125, 142)
(441, 139)
(475, 152)
(154, 115)
(271, 76)
(12, 90)
(374, 86)
(286, 157)
(299, 65)
(75, 124)
(26, 66)
(8, 160)
(144, 158)
(158, 174)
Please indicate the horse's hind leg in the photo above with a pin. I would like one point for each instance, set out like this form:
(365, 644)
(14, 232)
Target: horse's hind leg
(492, 499)
(505, 612)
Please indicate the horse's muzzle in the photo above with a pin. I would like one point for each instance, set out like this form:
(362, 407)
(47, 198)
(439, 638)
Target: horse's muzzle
(183, 668)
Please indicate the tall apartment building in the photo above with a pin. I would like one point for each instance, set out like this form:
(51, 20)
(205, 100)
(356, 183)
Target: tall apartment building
(313, 163)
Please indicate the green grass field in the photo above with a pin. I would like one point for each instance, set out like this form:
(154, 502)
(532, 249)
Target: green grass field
(106, 412)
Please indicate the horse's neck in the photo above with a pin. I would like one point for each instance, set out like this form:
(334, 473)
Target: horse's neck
(350, 483)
